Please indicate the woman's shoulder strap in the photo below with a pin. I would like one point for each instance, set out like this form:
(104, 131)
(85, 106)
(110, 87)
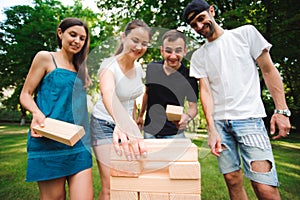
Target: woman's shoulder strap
(53, 60)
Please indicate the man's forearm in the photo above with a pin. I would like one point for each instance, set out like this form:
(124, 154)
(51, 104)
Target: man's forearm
(192, 110)
(272, 79)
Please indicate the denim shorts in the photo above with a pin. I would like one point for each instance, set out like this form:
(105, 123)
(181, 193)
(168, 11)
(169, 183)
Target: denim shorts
(101, 131)
(246, 140)
(150, 136)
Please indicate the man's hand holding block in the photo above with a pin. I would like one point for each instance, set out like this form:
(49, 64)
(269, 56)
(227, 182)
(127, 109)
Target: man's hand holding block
(174, 112)
(61, 131)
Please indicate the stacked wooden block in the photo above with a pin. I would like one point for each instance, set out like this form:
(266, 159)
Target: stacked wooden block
(171, 171)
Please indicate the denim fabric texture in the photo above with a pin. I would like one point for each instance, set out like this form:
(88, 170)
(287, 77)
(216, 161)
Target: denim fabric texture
(101, 131)
(247, 141)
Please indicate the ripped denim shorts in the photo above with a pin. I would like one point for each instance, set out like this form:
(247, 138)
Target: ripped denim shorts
(247, 141)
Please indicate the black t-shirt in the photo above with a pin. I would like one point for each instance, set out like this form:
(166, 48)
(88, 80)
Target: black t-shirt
(166, 89)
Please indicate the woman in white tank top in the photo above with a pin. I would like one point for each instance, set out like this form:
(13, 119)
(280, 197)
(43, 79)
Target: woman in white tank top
(112, 120)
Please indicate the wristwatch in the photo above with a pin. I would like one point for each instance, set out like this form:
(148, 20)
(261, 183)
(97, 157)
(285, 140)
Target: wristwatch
(285, 112)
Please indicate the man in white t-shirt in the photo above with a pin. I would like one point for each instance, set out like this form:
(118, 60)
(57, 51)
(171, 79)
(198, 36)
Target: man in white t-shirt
(230, 95)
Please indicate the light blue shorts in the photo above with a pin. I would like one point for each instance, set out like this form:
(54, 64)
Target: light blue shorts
(101, 131)
(246, 139)
(150, 136)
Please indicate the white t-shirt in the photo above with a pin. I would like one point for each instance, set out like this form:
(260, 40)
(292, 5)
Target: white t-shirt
(127, 89)
(229, 64)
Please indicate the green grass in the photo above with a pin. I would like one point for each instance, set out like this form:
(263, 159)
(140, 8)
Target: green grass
(13, 161)
(13, 164)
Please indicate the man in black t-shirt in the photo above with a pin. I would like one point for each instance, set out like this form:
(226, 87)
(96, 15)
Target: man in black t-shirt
(168, 82)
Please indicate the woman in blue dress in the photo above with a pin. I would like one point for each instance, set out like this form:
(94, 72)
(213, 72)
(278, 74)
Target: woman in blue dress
(60, 78)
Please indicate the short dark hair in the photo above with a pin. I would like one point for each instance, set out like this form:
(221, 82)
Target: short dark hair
(173, 35)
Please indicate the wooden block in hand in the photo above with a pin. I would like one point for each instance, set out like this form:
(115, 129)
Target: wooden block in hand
(174, 112)
(60, 131)
(184, 170)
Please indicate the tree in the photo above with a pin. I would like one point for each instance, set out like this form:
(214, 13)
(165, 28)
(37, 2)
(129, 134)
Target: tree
(26, 31)
(30, 29)
(283, 30)
(277, 20)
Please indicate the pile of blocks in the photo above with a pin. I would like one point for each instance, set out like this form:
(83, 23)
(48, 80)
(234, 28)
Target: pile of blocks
(170, 171)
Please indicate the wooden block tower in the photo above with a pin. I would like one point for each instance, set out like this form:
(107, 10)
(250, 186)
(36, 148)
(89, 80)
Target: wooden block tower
(171, 171)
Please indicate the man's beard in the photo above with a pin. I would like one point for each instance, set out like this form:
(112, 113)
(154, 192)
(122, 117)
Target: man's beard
(208, 34)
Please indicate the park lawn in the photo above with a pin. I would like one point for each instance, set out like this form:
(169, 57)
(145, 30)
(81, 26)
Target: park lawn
(13, 167)
(13, 163)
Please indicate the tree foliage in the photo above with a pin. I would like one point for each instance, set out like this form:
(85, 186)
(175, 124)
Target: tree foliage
(30, 29)
(277, 20)
(26, 31)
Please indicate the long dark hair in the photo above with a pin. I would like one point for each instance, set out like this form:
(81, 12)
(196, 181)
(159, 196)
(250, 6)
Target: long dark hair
(79, 59)
(130, 26)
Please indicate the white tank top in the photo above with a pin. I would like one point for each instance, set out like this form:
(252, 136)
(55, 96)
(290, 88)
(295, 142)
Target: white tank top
(127, 89)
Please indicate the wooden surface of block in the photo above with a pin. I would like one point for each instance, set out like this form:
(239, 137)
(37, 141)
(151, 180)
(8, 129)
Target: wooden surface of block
(174, 112)
(125, 168)
(123, 195)
(174, 196)
(153, 166)
(184, 170)
(166, 150)
(155, 182)
(154, 196)
(135, 168)
(60, 131)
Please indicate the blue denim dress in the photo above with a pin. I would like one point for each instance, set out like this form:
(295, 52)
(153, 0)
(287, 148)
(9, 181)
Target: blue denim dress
(61, 96)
